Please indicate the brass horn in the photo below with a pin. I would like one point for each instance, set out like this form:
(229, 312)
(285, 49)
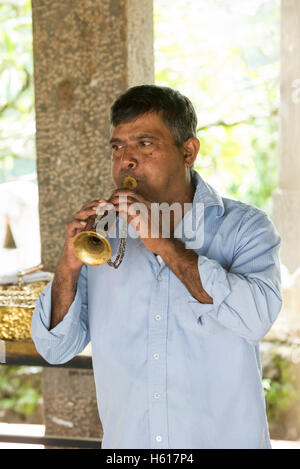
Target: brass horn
(92, 248)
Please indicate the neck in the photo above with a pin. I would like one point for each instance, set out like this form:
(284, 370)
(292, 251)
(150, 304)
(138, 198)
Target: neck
(187, 193)
(186, 197)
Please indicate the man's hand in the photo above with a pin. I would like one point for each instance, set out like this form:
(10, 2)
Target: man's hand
(83, 220)
(142, 214)
(68, 269)
(148, 224)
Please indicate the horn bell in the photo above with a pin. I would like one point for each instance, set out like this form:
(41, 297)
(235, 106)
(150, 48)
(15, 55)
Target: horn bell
(91, 248)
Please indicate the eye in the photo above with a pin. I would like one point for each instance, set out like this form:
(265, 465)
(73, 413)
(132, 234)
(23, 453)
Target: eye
(116, 147)
(146, 144)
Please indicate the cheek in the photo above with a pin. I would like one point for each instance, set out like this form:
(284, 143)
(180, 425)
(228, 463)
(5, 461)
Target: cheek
(114, 172)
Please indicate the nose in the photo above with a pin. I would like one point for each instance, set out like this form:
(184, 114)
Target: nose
(129, 157)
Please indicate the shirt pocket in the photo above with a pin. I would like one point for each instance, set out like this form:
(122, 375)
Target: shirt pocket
(204, 316)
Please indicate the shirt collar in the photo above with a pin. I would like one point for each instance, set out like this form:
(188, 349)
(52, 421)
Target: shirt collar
(206, 194)
(192, 224)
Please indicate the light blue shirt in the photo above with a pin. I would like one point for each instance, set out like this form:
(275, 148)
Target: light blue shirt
(171, 372)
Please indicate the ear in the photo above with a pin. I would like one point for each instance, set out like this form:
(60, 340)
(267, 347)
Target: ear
(190, 150)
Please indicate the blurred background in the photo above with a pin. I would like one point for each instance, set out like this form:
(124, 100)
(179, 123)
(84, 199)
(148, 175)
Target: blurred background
(225, 56)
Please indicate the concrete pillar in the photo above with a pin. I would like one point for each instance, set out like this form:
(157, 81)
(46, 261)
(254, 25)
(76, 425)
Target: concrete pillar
(287, 200)
(70, 405)
(287, 197)
(86, 52)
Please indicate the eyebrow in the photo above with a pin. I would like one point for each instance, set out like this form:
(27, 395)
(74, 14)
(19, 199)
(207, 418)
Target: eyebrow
(138, 137)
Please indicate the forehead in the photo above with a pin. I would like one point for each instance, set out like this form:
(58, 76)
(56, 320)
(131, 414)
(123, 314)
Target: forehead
(147, 124)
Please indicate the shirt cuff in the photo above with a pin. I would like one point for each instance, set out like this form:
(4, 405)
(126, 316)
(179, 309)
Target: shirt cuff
(42, 316)
(214, 280)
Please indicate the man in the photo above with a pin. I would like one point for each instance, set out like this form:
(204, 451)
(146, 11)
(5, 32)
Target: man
(175, 330)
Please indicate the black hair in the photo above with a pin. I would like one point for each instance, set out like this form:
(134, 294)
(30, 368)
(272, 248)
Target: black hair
(177, 110)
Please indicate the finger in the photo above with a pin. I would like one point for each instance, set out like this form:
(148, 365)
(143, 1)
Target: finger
(75, 226)
(128, 193)
(103, 207)
(122, 198)
(132, 207)
(90, 204)
(84, 214)
(133, 210)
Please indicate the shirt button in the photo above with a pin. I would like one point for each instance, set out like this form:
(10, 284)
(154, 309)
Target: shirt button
(158, 317)
(159, 277)
(156, 395)
(158, 438)
(156, 356)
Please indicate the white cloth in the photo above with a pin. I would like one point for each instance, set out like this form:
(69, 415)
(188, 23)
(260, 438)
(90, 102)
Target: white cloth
(28, 278)
(159, 259)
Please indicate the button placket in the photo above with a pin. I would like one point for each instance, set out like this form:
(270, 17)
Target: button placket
(157, 362)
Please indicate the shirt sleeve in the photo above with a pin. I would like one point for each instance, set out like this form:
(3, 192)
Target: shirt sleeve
(247, 297)
(71, 335)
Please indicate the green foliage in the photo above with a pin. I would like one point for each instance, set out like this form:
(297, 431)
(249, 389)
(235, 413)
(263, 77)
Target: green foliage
(225, 58)
(20, 389)
(280, 391)
(17, 126)
(244, 157)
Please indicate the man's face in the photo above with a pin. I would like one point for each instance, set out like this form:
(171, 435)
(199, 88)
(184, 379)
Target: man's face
(145, 149)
